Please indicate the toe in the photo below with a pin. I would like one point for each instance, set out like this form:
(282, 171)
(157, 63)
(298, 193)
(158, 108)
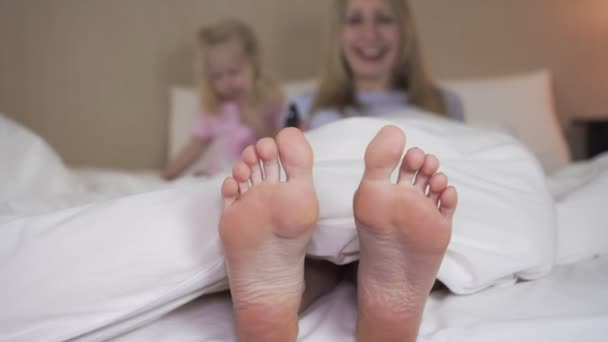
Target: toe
(241, 173)
(448, 201)
(437, 185)
(430, 166)
(412, 162)
(295, 154)
(383, 153)
(230, 191)
(250, 157)
(268, 152)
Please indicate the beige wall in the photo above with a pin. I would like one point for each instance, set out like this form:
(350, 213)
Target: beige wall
(92, 76)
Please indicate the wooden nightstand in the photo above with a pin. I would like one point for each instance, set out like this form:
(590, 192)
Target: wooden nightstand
(597, 134)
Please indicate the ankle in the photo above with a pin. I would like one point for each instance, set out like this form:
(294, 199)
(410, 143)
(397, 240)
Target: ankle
(267, 323)
(388, 318)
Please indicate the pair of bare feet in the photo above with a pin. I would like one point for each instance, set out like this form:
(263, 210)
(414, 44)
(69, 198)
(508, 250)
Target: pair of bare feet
(266, 226)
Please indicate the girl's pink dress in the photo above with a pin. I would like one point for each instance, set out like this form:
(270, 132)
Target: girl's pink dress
(228, 137)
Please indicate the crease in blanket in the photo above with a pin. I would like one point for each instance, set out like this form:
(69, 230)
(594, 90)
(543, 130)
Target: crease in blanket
(187, 292)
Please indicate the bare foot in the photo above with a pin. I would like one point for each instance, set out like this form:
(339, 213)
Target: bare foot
(404, 230)
(265, 230)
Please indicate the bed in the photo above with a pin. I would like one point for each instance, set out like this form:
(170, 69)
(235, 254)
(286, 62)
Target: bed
(98, 255)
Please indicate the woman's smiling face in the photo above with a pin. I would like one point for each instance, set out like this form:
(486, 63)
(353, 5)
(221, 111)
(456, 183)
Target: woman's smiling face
(370, 39)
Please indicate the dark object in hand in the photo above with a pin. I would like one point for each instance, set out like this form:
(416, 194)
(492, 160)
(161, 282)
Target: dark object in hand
(596, 129)
(293, 117)
(597, 138)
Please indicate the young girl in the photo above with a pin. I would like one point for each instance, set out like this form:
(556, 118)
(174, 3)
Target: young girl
(240, 102)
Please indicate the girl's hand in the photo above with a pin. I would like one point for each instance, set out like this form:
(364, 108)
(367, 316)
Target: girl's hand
(185, 158)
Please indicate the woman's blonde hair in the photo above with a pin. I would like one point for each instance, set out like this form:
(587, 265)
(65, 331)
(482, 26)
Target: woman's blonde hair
(265, 87)
(336, 87)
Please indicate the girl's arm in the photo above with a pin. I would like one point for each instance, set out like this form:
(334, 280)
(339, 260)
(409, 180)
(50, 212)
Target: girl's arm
(186, 157)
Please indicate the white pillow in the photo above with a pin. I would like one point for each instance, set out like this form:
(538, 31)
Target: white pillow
(30, 167)
(184, 111)
(524, 105)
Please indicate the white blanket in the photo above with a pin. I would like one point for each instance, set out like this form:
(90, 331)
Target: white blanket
(580, 193)
(103, 268)
(569, 305)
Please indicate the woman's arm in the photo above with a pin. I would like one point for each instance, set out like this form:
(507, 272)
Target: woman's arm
(185, 158)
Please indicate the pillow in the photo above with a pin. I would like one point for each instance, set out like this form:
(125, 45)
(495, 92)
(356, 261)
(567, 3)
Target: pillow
(184, 110)
(30, 167)
(523, 104)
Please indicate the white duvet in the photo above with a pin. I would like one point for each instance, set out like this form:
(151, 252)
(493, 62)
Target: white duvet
(87, 258)
(569, 305)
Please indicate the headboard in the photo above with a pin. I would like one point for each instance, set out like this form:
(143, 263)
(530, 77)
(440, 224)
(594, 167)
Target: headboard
(111, 97)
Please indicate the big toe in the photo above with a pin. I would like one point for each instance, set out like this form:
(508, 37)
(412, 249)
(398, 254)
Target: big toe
(295, 153)
(384, 153)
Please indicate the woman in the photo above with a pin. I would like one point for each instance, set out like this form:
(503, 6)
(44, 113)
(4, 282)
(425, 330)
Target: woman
(373, 66)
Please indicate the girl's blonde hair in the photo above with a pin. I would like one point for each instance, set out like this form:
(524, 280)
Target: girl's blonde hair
(265, 88)
(336, 87)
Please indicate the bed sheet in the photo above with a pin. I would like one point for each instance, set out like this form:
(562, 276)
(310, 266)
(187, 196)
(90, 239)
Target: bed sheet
(571, 304)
